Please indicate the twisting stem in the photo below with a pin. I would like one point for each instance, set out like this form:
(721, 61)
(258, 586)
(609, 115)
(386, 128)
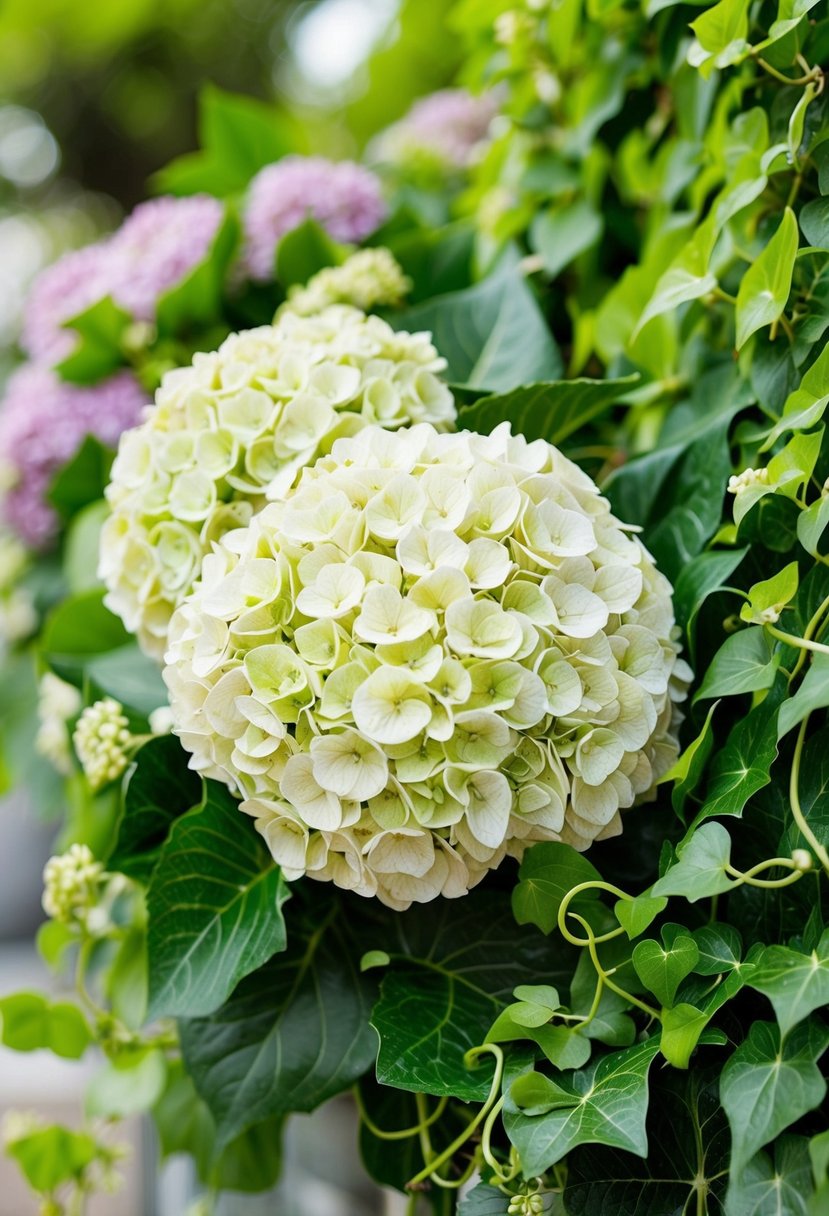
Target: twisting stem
(634, 1000)
(563, 913)
(794, 798)
(404, 1133)
(749, 879)
(433, 1165)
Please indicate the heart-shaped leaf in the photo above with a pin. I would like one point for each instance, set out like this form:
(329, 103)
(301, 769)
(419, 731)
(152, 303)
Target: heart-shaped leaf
(662, 969)
(634, 915)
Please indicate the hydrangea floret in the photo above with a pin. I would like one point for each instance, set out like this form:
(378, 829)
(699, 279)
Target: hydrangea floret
(343, 197)
(102, 738)
(43, 422)
(443, 132)
(438, 649)
(58, 702)
(368, 279)
(234, 429)
(72, 884)
(154, 250)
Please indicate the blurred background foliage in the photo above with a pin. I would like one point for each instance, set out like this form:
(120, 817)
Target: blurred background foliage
(96, 97)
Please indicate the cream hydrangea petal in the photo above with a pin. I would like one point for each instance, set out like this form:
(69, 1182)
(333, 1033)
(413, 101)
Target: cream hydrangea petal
(317, 807)
(391, 707)
(386, 617)
(349, 765)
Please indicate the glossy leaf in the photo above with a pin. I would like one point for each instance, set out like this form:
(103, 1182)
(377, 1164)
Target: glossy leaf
(764, 290)
(214, 905)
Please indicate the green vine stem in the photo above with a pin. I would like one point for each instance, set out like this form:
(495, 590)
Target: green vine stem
(433, 1165)
(794, 798)
(404, 1133)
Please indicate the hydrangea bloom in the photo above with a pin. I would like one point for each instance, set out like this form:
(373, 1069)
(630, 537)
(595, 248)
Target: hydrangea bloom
(43, 421)
(71, 885)
(69, 286)
(442, 131)
(435, 651)
(233, 430)
(343, 197)
(153, 250)
(370, 278)
(101, 739)
(158, 246)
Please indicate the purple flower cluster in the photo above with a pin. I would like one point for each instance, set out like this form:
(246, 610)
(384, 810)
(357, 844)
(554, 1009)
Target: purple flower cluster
(343, 197)
(43, 421)
(445, 127)
(152, 251)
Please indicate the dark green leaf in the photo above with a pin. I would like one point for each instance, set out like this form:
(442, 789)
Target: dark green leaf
(78, 629)
(743, 765)
(464, 960)
(159, 788)
(128, 675)
(492, 335)
(214, 906)
(610, 1102)
(744, 663)
(767, 1085)
(293, 1034)
(720, 949)
(98, 352)
(305, 250)
(773, 1188)
(796, 983)
(560, 234)
(196, 300)
(700, 867)
(548, 871)
(814, 222)
(551, 411)
(83, 480)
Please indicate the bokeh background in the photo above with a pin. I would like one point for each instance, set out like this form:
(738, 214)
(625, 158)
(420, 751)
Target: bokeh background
(95, 99)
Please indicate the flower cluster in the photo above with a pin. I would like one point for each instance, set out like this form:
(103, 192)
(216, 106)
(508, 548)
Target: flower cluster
(435, 651)
(443, 131)
(234, 429)
(58, 702)
(101, 739)
(370, 278)
(749, 477)
(343, 197)
(42, 424)
(71, 885)
(152, 251)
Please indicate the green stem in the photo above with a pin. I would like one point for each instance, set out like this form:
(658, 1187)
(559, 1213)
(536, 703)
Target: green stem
(794, 798)
(563, 912)
(809, 633)
(431, 1167)
(767, 883)
(404, 1133)
(811, 77)
(799, 643)
(634, 1000)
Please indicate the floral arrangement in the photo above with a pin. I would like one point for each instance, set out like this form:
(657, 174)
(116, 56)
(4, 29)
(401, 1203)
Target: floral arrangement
(477, 571)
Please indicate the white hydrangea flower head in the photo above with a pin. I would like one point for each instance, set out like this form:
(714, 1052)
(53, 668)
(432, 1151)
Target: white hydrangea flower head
(435, 651)
(102, 737)
(232, 431)
(57, 703)
(370, 278)
(71, 885)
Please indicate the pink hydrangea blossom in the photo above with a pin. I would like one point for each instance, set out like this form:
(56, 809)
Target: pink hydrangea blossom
(67, 287)
(153, 250)
(343, 197)
(43, 421)
(157, 246)
(445, 127)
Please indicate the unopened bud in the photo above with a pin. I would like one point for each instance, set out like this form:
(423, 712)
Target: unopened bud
(802, 859)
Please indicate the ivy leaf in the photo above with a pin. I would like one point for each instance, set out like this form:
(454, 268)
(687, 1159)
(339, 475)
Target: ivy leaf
(796, 983)
(551, 411)
(697, 580)
(767, 1085)
(548, 871)
(720, 949)
(663, 968)
(773, 1188)
(159, 788)
(214, 905)
(722, 32)
(700, 869)
(464, 961)
(609, 1105)
(744, 663)
(688, 769)
(812, 694)
(765, 286)
(293, 1034)
(682, 1026)
(743, 765)
(492, 334)
(634, 915)
(771, 593)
